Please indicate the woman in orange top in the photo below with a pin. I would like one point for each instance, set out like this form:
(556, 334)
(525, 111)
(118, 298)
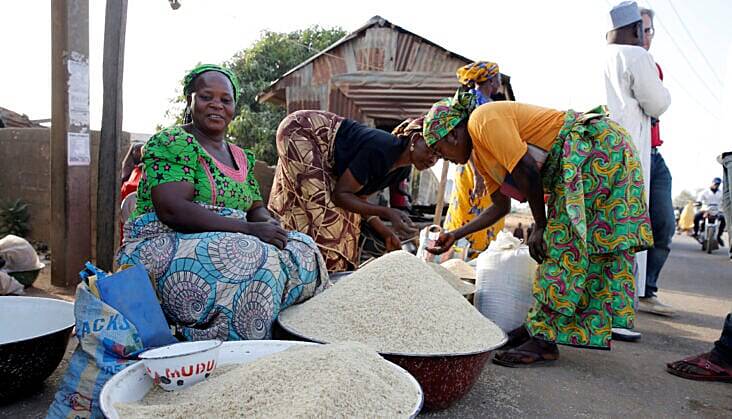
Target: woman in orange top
(469, 197)
(597, 216)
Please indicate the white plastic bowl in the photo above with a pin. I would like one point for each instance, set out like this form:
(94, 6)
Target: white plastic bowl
(132, 383)
(181, 365)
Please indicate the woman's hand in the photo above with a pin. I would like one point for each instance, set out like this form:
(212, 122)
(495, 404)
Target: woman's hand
(392, 242)
(401, 223)
(537, 246)
(274, 222)
(443, 243)
(267, 232)
(259, 213)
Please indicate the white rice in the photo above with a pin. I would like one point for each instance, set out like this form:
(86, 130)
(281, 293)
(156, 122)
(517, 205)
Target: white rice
(395, 304)
(464, 288)
(460, 268)
(323, 381)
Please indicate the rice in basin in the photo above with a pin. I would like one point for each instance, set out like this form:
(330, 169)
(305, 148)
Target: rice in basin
(464, 288)
(341, 380)
(397, 305)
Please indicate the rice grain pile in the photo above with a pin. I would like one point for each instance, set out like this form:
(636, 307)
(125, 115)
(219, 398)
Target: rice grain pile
(341, 380)
(395, 304)
(460, 268)
(464, 288)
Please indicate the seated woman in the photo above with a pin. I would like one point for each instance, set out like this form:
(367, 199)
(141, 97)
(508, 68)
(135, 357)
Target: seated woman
(328, 166)
(469, 197)
(222, 266)
(597, 215)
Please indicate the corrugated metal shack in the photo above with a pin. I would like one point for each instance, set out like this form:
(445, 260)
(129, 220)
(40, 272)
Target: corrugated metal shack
(10, 119)
(379, 74)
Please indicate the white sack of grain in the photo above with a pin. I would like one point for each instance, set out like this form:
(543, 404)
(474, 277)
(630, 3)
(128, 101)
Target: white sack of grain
(505, 274)
(347, 380)
(395, 304)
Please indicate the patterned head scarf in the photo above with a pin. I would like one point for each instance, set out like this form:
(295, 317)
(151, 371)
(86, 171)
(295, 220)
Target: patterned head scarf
(193, 74)
(409, 127)
(477, 72)
(445, 115)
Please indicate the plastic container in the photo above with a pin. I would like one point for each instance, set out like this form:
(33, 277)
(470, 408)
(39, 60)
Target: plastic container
(504, 279)
(181, 365)
(427, 239)
(462, 249)
(132, 384)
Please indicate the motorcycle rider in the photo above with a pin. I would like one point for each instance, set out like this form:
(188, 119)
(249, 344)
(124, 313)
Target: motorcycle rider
(711, 196)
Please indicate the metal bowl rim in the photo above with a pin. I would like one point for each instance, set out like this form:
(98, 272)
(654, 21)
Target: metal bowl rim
(60, 329)
(411, 354)
(41, 264)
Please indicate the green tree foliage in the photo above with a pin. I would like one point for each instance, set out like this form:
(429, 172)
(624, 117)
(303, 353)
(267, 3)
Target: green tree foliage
(274, 53)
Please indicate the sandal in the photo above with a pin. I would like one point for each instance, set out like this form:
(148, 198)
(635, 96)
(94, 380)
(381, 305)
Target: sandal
(713, 371)
(516, 337)
(520, 358)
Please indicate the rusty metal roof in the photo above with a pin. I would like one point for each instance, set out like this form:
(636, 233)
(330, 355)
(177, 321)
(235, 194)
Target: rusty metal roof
(10, 119)
(378, 74)
(409, 52)
(394, 95)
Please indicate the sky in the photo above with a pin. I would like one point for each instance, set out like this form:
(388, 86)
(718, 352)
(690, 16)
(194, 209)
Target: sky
(553, 51)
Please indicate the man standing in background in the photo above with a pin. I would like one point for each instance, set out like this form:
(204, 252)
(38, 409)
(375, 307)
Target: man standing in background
(725, 159)
(634, 96)
(660, 202)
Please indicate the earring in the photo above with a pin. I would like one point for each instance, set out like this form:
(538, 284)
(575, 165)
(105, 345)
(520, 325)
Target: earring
(411, 146)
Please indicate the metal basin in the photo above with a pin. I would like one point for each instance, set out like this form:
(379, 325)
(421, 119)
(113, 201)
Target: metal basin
(34, 333)
(444, 378)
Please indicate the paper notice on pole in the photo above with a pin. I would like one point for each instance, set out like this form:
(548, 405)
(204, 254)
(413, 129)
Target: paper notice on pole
(78, 153)
(78, 89)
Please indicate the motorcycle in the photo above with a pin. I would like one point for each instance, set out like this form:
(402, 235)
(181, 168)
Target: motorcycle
(709, 229)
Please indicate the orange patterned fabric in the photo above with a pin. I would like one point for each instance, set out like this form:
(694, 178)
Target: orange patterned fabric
(303, 183)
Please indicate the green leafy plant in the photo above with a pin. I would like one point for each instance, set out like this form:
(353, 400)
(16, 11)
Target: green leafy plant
(14, 218)
(255, 124)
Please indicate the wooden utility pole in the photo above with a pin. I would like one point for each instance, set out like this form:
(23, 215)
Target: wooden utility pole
(108, 184)
(441, 192)
(70, 149)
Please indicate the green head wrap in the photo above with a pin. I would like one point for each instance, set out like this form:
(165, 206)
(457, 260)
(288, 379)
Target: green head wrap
(191, 77)
(446, 114)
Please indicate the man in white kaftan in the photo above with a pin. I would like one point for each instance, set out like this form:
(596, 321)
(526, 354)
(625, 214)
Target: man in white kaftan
(635, 94)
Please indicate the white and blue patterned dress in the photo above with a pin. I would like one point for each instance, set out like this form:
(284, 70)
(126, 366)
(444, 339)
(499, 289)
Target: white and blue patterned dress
(229, 286)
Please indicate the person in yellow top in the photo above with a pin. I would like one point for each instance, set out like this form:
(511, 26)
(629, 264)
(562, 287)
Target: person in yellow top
(597, 215)
(468, 196)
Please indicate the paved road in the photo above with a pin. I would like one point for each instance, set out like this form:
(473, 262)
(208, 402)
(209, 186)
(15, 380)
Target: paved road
(628, 381)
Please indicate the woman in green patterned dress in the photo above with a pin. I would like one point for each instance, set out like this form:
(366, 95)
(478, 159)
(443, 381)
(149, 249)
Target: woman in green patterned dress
(222, 265)
(597, 216)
